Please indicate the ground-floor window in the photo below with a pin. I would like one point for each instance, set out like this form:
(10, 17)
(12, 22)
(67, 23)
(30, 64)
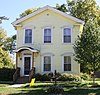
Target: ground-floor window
(46, 63)
(67, 63)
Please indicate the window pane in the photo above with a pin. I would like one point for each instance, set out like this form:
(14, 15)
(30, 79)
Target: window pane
(67, 31)
(67, 39)
(28, 36)
(47, 67)
(67, 67)
(47, 60)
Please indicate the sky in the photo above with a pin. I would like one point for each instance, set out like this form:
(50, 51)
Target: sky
(12, 9)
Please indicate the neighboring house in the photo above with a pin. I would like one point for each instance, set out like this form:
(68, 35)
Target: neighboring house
(45, 41)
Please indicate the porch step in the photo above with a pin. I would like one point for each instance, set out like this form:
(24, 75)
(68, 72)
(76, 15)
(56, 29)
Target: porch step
(24, 79)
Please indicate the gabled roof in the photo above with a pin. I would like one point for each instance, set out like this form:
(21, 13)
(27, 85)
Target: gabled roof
(46, 8)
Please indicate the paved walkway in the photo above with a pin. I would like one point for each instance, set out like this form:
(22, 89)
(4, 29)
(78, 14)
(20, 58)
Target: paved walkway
(15, 85)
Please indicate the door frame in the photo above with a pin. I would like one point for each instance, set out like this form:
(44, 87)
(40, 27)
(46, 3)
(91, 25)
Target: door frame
(23, 63)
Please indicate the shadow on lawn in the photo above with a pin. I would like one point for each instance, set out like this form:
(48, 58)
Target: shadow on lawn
(67, 91)
(72, 91)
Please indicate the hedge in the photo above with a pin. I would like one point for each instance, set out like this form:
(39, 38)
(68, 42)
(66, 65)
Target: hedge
(6, 74)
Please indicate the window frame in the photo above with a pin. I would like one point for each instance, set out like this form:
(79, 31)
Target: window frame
(24, 36)
(63, 35)
(51, 35)
(64, 63)
(43, 63)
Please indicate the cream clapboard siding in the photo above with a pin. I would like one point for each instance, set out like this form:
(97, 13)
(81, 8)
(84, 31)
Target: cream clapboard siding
(57, 22)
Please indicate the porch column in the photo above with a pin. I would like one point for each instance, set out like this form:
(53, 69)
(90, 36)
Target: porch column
(16, 59)
(32, 59)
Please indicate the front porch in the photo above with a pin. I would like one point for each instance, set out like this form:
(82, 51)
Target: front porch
(25, 60)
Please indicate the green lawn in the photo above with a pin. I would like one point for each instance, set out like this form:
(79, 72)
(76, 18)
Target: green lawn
(40, 89)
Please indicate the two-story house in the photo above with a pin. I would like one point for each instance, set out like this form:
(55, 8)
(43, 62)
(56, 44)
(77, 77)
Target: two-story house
(45, 41)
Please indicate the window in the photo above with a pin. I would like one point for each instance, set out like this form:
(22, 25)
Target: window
(47, 35)
(47, 63)
(28, 35)
(67, 63)
(67, 35)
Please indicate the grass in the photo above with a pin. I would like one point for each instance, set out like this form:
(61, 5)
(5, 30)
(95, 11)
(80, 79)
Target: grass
(3, 85)
(40, 89)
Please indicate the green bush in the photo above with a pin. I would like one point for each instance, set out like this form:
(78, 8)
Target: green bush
(55, 89)
(85, 76)
(38, 77)
(69, 77)
(45, 77)
(6, 74)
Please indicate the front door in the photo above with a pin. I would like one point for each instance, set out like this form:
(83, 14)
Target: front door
(27, 64)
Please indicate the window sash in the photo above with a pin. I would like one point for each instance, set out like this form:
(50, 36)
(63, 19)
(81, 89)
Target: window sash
(47, 35)
(67, 63)
(67, 35)
(47, 63)
(28, 36)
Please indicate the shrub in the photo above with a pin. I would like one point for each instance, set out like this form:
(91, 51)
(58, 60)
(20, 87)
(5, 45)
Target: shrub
(38, 77)
(84, 76)
(6, 74)
(45, 77)
(69, 77)
(55, 89)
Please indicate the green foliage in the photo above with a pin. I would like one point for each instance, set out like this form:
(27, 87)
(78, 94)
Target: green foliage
(55, 89)
(44, 77)
(87, 48)
(6, 74)
(2, 35)
(61, 8)
(5, 60)
(85, 76)
(28, 11)
(68, 77)
(38, 77)
(85, 10)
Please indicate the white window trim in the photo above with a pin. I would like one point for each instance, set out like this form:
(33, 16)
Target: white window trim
(51, 35)
(43, 63)
(23, 62)
(63, 63)
(63, 35)
(32, 36)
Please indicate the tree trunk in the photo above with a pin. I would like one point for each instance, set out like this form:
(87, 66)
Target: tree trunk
(94, 77)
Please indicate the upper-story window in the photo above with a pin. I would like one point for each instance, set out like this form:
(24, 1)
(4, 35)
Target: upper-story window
(66, 35)
(28, 35)
(47, 35)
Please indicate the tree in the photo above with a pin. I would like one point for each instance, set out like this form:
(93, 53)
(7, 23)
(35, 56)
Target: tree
(87, 48)
(5, 60)
(8, 43)
(85, 10)
(28, 11)
(3, 18)
(62, 8)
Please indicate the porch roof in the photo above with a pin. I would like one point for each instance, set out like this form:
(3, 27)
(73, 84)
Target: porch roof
(26, 48)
